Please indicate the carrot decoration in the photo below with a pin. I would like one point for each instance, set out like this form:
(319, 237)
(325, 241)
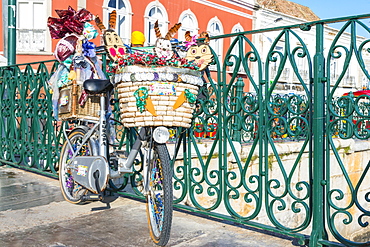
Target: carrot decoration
(180, 100)
(184, 96)
(143, 101)
(150, 107)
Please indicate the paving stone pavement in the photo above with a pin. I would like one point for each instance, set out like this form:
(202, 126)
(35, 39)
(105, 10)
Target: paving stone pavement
(33, 213)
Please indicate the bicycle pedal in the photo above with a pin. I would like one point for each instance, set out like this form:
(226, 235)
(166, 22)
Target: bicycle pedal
(92, 197)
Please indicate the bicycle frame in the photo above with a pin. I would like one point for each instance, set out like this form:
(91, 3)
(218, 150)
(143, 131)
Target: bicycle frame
(125, 164)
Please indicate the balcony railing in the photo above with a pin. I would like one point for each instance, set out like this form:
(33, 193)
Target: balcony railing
(31, 40)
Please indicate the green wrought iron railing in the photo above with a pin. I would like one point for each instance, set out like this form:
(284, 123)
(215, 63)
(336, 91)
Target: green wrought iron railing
(294, 164)
(29, 132)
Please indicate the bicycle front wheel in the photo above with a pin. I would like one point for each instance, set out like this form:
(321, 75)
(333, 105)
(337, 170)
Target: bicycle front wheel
(160, 196)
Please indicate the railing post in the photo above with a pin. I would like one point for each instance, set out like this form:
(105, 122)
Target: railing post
(318, 200)
(12, 44)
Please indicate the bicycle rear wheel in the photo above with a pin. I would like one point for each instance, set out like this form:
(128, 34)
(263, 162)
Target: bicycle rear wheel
(160, 196)
(72, 192)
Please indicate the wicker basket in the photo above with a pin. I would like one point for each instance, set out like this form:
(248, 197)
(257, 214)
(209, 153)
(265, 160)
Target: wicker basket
(69, 109)
(164, 85)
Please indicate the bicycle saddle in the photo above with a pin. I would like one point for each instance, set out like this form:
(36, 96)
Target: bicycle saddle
(96, 86)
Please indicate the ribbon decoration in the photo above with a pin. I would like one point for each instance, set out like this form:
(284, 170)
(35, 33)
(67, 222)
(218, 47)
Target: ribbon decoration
(88, 49)
(190, 96)
(193, 41)
(141, 95)
(69, 21)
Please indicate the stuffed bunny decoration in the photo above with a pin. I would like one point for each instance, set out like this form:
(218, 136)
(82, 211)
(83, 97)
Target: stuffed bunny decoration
(163, 47)
(200, 53)
(113, 43)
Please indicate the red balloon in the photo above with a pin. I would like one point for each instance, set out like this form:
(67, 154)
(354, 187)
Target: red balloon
(65, 48)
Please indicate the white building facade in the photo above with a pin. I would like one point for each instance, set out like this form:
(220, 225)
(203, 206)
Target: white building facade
(350, 78)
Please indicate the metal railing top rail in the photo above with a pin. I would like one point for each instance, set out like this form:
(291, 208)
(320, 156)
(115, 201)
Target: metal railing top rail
(209, 186)
(302, 26)
(26, 64)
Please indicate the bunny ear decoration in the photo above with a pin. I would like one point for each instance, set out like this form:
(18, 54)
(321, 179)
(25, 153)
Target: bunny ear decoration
(99, 23)
(187, 36)
(157, 31)
(172, 31)
(112, 19)
(205, 36)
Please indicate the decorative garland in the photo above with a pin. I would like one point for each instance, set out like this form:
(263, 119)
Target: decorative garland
(148, 59)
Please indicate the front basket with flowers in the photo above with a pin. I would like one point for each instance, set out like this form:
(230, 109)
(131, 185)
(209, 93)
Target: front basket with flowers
(157, 95)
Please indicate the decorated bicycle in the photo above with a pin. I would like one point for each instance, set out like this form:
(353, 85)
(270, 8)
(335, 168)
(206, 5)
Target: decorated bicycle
(156, 91)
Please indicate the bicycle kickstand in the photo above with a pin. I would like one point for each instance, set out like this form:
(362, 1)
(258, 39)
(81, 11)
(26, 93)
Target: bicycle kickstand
(94, 197)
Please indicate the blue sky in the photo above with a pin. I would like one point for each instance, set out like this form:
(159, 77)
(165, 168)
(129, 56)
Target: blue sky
(326, 9)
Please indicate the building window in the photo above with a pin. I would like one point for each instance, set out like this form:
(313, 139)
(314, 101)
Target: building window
(215, 28)
(236, 29)
(123, 21)
(155, 11)
(31, 26)
(188, 22)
